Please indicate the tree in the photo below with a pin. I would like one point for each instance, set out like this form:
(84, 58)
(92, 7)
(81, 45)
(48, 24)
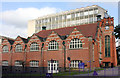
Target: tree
(117, 31)
(117, 36)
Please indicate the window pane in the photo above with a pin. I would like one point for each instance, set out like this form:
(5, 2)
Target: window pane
(34, 47)
(18, 63)
(5, 48)
(18, 48)
(75, 43)
(34, 63)
(4, 63)
(53, 45)
(107, 46)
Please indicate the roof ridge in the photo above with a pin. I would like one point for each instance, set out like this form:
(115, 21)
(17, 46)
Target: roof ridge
(84, 29)
(67, 27)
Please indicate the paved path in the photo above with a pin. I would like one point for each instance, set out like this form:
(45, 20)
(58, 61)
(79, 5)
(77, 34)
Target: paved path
(106, 72)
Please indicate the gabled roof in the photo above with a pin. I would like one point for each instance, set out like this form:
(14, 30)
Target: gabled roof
(10, 40)
(40, 38)
(86, 29)
(24, 39)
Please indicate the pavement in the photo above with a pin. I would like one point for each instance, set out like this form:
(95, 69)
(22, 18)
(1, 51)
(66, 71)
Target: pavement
(106, 72)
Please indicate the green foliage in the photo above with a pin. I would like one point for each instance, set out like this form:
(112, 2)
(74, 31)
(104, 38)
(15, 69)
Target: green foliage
(117, 31)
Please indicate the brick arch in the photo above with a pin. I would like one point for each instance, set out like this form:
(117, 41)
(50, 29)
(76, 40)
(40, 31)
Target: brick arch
(20, 43)
(81, 45)
(69, 40)
(33, 39)
(6, 42)
(36, 46)
(29, 44)
(52, 41)
(75, 34)
(53, 36)
(4, 46)
(16, 46)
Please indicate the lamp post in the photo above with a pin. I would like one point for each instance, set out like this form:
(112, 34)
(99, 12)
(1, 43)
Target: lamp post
(42, 57)
(25, 58)
(64, 55)
(23, 66)
(69, 59)
(11, 59)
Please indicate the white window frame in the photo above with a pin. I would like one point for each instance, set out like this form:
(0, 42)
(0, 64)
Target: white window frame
(91, 12)
(73, 15)
(69, 16)
(119, 52)
(18, 63)
(34, 47)
(96, 11)
(53, 45)
(18, 48)
(5, 49)
(74, 63)
(82, 13)
(53, 67)
(5, 63)
(77, 14)
(85, 13)
(34, 63)
(75, 44)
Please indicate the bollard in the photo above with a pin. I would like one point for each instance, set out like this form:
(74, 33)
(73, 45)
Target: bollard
(95, 73)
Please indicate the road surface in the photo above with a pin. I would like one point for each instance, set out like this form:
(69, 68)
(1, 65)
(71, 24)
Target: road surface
(106, 72)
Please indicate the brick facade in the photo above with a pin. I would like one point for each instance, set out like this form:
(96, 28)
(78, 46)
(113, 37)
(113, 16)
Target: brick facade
(91, 36)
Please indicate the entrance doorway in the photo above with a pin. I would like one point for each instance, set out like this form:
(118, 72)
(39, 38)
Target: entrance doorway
(53, 66)
(112, 65)
(106, 64)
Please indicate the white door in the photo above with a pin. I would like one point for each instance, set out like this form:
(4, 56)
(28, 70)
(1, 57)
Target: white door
(53, 67)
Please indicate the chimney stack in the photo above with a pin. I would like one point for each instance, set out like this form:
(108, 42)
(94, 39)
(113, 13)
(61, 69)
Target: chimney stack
(43, 27)
(98, 17)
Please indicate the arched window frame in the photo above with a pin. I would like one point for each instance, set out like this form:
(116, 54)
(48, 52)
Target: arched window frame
(53, 45)
(75, 44)
(5, 49)
(18, 48)
(107, 46)
(34, 46)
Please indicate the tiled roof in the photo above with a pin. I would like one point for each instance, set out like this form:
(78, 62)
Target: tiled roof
(86, 30)
(25, 40)
(11, 41)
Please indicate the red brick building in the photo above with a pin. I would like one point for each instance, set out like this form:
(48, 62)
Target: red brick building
(48, 50)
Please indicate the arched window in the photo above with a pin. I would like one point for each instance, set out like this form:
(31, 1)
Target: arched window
(34, 63)
(53, 45)
(107, 46)
(18, 48)
(5, 49)
(34, 47)
(75, 43)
